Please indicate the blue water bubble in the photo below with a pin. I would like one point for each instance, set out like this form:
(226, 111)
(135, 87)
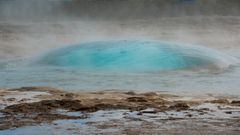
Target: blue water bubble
(128, 55)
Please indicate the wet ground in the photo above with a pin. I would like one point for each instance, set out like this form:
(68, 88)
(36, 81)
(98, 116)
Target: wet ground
(51, 111)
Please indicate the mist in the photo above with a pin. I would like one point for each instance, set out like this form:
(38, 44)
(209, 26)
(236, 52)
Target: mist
(31, 27)
(35, 10)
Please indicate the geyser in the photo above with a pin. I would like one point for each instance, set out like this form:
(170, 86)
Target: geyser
(135, 56)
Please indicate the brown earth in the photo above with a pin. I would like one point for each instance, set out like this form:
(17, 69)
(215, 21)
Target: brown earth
(26, 112)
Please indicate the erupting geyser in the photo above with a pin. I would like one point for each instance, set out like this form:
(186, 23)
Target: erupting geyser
(136, 56)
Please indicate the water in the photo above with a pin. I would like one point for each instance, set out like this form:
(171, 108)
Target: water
(127, 65)
(135, 56)
(118, 121)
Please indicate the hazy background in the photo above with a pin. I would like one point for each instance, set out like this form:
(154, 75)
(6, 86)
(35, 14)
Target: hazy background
(40, 10)
(30, 27)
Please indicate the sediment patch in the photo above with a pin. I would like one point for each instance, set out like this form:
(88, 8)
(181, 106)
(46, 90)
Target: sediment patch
(44, 108)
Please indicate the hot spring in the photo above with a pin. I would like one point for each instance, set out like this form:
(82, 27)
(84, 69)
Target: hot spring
(126, 65)
(135, 56)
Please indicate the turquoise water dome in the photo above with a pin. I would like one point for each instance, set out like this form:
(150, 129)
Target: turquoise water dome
(135, 56)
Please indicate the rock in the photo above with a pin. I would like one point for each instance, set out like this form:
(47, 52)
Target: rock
(150, 94)
(228, 112)
(69, 95)
(44, 106)
(236, 102)
(130, 93)
(220, 101)
(136, 99)
(24, 100)
(204, 109)
(179, 106)
(149, 111)
(189, 115)
(11, 99)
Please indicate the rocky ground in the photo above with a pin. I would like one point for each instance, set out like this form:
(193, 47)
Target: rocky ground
(115, 112)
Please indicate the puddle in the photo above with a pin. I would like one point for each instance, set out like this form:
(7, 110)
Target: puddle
(18, 96)
(123, 121)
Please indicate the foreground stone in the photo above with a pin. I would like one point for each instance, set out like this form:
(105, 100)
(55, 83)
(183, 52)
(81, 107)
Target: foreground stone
(36, 105)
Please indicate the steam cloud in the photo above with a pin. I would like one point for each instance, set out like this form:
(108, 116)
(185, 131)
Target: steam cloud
(29, 27)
